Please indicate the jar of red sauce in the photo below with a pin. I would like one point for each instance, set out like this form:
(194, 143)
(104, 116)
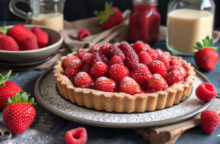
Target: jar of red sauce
(144, 21)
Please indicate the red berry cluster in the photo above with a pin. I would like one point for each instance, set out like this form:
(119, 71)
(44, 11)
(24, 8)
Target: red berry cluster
(19, 37)
(124, 68)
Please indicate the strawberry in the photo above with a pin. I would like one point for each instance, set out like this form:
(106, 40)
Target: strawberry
(110, 17)
(95, 58)
(8, 43)
(159, 52)
(210, 121)
(206, 57)
(103, 49)
(98, 69)
(206, 91)
(83, 80)
(81, 53)
(117, 72)
(68, 60)
(20, 33)
(127, 49)
(105, 84)
(76, 136)
(72, 69)
(7, 88)
(156, 83)
(42, 36)
(140, 46)
(30, 43)
(19, 114)
(174, 76)
(115, 60)
(145, 58)
(179, 68)
(87, 58)
(152, 53)
(2, 35)
(177, 62)
(75, 64)
(158, 67)
(129, 85)
(104, 58)
(83, 33)
(113, 51)
(94, 48)
(141, 74)
(165, 58)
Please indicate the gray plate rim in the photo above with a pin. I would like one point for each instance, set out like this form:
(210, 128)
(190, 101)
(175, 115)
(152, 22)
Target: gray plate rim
(118, 125)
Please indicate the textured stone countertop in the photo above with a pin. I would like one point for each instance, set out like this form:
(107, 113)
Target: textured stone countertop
(50, 129)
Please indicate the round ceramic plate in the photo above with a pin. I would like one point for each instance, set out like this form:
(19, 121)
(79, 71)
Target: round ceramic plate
(48, 96)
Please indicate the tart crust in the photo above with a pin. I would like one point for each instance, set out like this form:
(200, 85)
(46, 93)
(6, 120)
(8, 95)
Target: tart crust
(123, 102)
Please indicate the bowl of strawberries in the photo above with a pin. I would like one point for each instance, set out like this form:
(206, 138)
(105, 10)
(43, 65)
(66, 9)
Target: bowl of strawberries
(28, 43)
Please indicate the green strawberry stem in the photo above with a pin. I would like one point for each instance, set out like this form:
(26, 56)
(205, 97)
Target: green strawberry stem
(5, 78)
(104, 15)
(21, 97)
(4, 29)
(206, 43)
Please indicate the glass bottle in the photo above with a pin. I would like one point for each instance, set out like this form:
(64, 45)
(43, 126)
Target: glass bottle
(144, 21)
(188, 21)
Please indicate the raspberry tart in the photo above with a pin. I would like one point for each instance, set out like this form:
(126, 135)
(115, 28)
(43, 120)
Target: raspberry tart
(124, 78)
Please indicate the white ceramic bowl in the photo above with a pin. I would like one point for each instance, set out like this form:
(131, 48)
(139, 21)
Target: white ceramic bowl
(29, 56)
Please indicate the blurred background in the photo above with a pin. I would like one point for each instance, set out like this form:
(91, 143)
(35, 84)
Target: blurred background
(79, 9)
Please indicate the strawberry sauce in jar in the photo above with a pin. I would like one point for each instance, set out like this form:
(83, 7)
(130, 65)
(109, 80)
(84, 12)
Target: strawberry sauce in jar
(144, 21)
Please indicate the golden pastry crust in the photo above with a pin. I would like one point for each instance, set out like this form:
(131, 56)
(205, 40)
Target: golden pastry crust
(123, 102)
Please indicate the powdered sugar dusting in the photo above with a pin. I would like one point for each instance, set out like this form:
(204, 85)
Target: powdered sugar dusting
(52, 98)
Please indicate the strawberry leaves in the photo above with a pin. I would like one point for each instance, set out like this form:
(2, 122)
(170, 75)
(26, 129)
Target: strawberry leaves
(4, 29)
(5, 78)
(206, 43)
(104, 15)
(21, 97)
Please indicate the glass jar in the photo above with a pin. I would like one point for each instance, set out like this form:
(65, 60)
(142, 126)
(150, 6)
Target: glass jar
(188, 21)
(43, 12)
(144, 21)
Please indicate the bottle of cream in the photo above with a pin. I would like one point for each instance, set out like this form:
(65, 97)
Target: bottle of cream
(188, 21)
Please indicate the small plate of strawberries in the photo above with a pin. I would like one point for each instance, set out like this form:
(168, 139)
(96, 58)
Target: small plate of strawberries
(28, 43)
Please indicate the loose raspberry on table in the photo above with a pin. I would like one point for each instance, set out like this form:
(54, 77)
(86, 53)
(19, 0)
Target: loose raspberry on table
(141, 74)
(157, 66)
(129, 85)
(98, 69)
(76, 136)
(210, 121)
(145, 58)
(105, 84)
(206, 91)
(117, 72)
(83, 33)
(83, 80)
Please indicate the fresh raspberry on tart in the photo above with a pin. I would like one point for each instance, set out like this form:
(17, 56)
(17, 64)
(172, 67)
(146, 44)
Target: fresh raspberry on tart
(110, 71)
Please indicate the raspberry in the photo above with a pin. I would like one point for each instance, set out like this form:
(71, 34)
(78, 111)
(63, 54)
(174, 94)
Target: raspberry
(71, 72)
(117, 72)
(76, 136)
(83, 33)
(103, 49)
(113, 51)
(95, 58)
(159, 52)
(158, 66)
(141, 74)
(98, 69)
(131, 61)
(129, 85)
(145, 58)
(75, 64)
(81, 53)
(115, 60)
(83, 80)
(209, 121)
(206, 91)
(140, 46)
(174, 77)
(68, 60)
(152, 53)
(156, 83)
(176, 62)
(94, 48)
(105, 84)
(165, 58)
(127, 49)
(179, 68)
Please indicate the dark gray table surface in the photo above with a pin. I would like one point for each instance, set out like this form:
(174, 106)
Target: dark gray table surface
(50, 129)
